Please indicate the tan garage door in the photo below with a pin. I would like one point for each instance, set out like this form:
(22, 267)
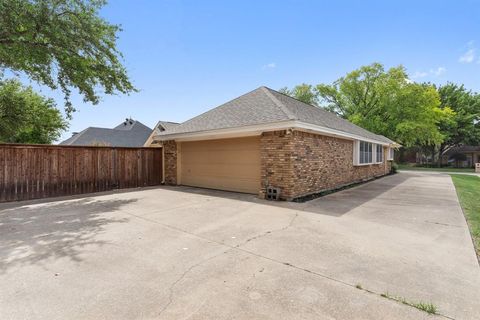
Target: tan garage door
(226, 164)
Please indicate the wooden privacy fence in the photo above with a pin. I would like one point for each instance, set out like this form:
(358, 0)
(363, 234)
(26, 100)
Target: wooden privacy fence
(41, 171)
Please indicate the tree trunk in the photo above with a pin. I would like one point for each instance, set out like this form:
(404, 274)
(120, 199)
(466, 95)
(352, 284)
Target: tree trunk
(432, 149)
(440, 154)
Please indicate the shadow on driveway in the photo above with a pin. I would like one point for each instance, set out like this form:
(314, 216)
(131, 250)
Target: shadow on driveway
(33, 233)
(335, 204)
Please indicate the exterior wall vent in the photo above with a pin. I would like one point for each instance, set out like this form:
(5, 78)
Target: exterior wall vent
(273, 193)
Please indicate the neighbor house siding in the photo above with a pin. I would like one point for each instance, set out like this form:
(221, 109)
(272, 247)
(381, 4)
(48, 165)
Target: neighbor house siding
(170, 153)
(303, 163)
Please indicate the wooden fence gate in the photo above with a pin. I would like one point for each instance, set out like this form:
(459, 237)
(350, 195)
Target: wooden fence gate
(41, 171)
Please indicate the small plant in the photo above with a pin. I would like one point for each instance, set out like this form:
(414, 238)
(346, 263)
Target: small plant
(427, 307)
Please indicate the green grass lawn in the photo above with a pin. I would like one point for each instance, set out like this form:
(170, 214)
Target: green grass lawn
(408, 167)
(468, 190)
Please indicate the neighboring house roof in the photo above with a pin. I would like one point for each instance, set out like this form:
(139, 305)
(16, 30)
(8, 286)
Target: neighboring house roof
(130, 133)
(266, 106)
(161, 126)
(461, 149)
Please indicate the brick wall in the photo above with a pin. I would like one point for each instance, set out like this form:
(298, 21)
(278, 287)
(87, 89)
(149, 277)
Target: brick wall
(170, 152)
(302, 163)
(276, 150)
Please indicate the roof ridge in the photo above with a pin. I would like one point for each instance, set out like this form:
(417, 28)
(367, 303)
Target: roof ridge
(217, 107)
(137, 124)
(279, 104)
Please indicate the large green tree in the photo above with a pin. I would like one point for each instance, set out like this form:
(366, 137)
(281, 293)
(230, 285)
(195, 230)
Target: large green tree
(386, 102)
(464, 127)
(26, 116)
(62, 44)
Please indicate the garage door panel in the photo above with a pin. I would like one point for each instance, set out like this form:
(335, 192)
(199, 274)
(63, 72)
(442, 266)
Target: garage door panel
(228, 164)
(221, 172)
(223, 183)
(211, 159)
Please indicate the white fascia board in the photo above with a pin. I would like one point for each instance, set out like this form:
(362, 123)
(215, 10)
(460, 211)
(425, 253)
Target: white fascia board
(244, 131)
(258, 129)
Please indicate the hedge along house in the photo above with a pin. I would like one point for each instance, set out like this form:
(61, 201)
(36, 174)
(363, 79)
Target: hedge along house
(267, 139)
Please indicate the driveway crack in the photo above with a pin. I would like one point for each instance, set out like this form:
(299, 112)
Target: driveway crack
(183, 275)
(261, 235)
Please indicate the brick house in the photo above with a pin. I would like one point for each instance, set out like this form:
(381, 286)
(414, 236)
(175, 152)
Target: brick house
(267, 139)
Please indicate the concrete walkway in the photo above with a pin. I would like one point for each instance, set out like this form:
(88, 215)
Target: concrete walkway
(186, 253)
(438, 172)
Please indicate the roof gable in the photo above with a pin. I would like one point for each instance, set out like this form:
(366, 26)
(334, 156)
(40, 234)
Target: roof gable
(165, 126)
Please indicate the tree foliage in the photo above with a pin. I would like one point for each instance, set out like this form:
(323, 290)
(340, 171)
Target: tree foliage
(386, 103)
(303, 92)
(62, 44)
(465, 126)
(27, 117)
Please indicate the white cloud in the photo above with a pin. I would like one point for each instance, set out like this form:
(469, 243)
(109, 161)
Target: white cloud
(433, 73)
(419, 74)
(438, 72)
(468, 56)
(270, 65)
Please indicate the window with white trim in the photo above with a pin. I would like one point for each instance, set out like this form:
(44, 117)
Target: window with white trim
(379, 153)
(391, 153)
(365, 152)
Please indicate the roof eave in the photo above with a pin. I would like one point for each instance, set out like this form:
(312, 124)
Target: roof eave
(258, 129)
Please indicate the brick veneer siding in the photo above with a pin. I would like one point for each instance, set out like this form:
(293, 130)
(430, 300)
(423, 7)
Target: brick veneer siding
(170, 153)
(276, 149)
(303, 163)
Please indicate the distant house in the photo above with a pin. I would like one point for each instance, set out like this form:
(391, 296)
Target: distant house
(130, 133)
(462, 156)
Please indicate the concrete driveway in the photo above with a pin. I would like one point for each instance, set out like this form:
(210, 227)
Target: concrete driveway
(186, 253)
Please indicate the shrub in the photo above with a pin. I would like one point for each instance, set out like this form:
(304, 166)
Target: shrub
(394, 168)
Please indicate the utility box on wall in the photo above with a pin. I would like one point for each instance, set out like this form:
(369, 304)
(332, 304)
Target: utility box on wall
(477, 167)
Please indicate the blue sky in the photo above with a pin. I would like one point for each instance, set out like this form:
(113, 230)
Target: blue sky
(189, 56)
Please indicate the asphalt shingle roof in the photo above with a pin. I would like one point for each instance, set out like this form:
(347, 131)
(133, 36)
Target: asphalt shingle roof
(166, 125)
(132, 134)
(264, 105)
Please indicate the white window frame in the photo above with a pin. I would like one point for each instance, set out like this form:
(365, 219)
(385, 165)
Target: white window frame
(376, 153)
(390, 154)
(356, 153)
